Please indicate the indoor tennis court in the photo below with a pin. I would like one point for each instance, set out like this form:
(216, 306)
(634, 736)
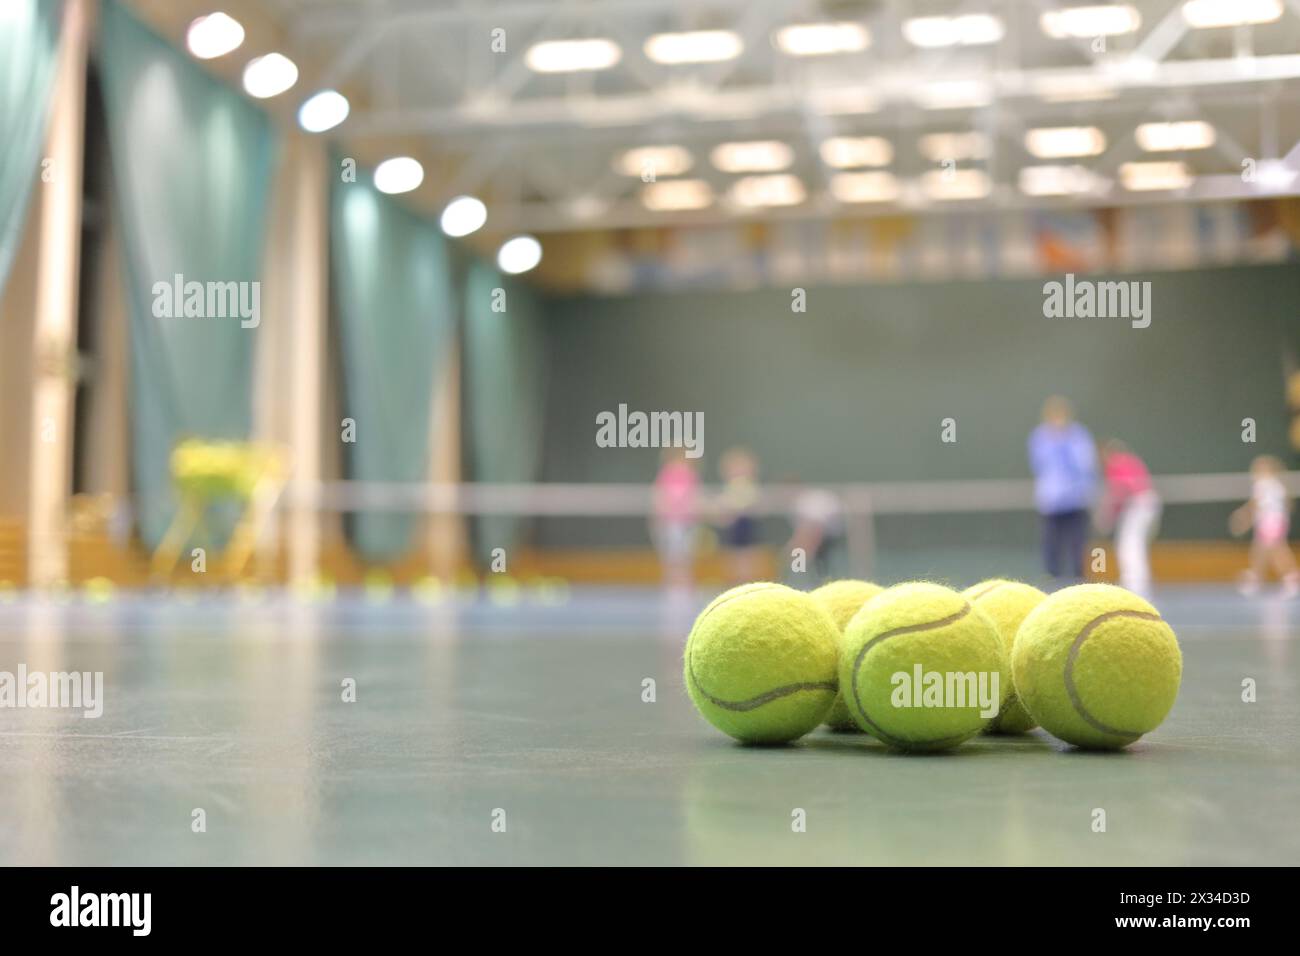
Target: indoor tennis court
(387, 389)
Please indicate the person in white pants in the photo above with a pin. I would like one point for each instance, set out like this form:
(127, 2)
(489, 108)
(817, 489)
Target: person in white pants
(1133, 507)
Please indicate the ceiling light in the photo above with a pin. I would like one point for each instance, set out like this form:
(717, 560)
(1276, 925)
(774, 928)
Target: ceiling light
(400, 174)
(845, 102)
(758, 191)
(1204, 14)
(519, 254)
(269, 76)
(1275, 174)
(1084, 23)
(700, 46)
(1144, 177)
(572, 56)
(849, 152)
(586, 208)
(1062, 141)
(954, 95)
(822, 39)
(1057, 180)
(938, 147)
(1074, 88)
(966, 30)
(1166, 137)
(677, 194)
(951, 184)
(325, 110)
(865, 187)
(463, 215)
(759, 156)
(649, 162)
(214, 35)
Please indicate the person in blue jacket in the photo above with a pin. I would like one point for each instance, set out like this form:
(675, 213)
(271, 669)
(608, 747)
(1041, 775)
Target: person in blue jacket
(1063, 458)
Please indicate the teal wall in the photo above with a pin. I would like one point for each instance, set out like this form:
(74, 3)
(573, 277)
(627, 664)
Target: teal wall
(855, 389)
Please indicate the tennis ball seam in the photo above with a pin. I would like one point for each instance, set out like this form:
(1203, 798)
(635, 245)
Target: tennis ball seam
(987, 591)
(753, 703)
(896, 632)
(1075, 700)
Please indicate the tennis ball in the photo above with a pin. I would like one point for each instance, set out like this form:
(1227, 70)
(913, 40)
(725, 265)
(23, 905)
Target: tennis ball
(760, 663)
(842, 599)
(1096, 666)
(921, 668)
(1007, 603)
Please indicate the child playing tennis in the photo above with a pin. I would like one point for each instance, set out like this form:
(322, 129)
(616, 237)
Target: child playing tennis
(1268, 512)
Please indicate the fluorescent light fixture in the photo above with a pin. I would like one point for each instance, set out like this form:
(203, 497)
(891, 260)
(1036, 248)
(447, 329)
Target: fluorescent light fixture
(1146, 177)
(586, 208)
(954, 94)
(843, 102)
(325, 110)
(783, 189)
(269, 76)
(1085, 23)
(643, 161)
(675, 195)
(572, 56)
(1059, 142)
(1206, 14)
(1275, 174)
(850, 152)
(938, 147)
(400, 174)
(519, 254)
(699, 46)
(1074, 88)
(1167, 137)
(956, 184)
(1057, 180)
(865, 187)
(463, 215)
(758, 156)
(966, 30)
(822, 39)
(214, 35)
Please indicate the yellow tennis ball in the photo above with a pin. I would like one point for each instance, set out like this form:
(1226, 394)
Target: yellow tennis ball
(1007, 604)
(922, 668)
(842, 599)
(760, 663)
(1096, 666)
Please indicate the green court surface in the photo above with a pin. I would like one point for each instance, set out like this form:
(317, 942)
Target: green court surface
(532, 716)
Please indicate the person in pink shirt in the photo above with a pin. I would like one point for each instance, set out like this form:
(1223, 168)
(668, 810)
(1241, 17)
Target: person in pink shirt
(676, 514)
(1132, 507)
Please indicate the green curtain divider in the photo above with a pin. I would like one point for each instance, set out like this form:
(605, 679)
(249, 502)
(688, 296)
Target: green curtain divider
(394, 303)
(29, 35)
(192, 164)
(505, 371)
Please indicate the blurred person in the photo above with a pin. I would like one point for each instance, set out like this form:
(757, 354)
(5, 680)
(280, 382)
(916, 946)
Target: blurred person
(1268, 512)
(674, 522)
(736, 507)
(1132, 508)
(1063, 459)
(818, 521)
